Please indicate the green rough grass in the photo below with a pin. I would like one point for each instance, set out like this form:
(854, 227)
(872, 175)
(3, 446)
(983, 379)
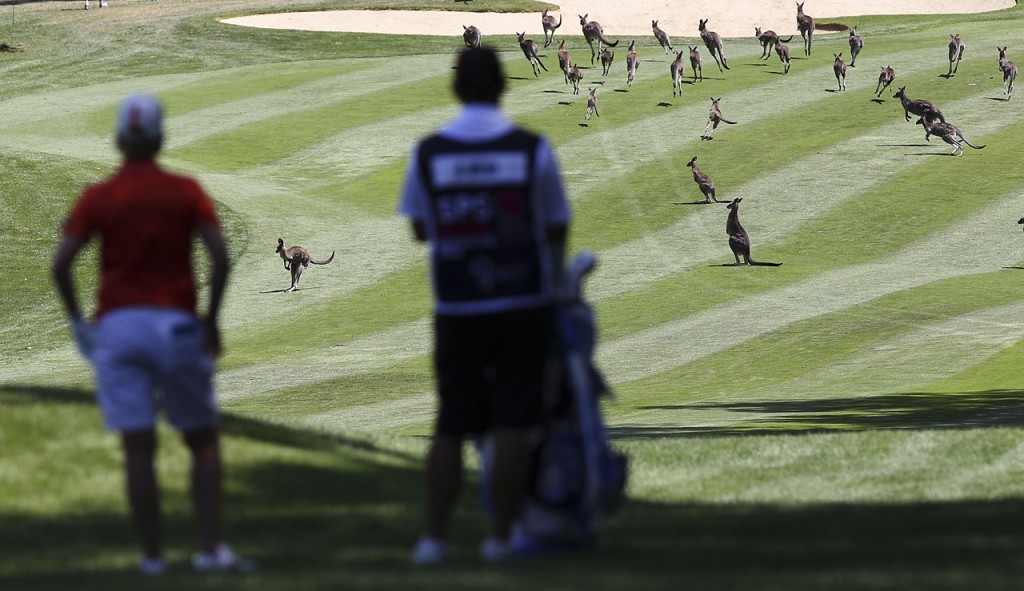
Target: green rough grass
(850, 420)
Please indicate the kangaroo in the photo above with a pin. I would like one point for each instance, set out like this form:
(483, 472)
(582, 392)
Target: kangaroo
(564, 60)
(296, 259)
(632, 63)
(592, 103)
(768, 39)
(805, 23)
(575, 75)
(739, 241)
(593, 31)
(662, 37)
(713, 41)
(530, 51)
(472, 37)
(677, 70)
(704, 182)
(856, 44)
(1009, 73)
(885, 78)
(607, 57)
(549, 24)
(949, 134)
(839, 67)
(714, 118)
(956, 53)
(783, 51)
(918, 106)
(696, 63)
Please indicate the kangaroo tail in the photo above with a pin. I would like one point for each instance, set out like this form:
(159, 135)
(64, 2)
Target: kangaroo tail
(541, 64)
(760, 264)
(968, 142)
(786, 40)
(607, 42)
(724, 120)
(323, 262)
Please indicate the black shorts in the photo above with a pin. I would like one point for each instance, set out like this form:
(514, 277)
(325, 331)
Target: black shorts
(492, 369)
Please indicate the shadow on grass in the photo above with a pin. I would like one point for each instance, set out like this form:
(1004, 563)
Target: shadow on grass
(968, 410)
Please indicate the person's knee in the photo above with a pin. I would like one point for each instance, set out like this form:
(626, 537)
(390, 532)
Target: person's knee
(138, 443)
(199, 440)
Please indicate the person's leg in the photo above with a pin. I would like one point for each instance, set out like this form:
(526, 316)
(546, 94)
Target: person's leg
(444, 482)
(143, 493)
(207, 477)
(509, 478)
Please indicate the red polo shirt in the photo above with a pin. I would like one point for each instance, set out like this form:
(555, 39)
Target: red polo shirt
(145, 218)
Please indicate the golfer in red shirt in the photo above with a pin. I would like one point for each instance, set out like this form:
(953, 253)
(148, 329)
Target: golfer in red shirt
(148, 347)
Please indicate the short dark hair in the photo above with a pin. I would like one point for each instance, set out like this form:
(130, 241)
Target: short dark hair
(479, 76)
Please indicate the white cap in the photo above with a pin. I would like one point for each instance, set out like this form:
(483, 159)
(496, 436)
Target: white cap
(140, 117)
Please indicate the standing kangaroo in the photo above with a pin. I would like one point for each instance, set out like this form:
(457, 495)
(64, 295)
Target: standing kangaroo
(575, 75)
(956, 53)
(714, 118)
(530, 51)
(632, 63)
(296, 259)
(949, 134)
(918, 106)
(739, 241)
(856, 44)
(564, 60)
(607, 57)
(839, 67)
(1009, 73)
(549, 24)
(472, 37)
(592, 103)
(704, 182)
(662, 37)
(885, 78)
(805, 23)
(677, 70)
(696, 63)
(783, 51)
(713, 41)
(593, 31)
(767, 40)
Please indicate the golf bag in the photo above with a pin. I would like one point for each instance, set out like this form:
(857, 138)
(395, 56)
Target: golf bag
(578, 478)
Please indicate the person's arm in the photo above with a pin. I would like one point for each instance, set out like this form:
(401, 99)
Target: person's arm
(67, 251)
(413, 196)
(551, 194)
(213, 239)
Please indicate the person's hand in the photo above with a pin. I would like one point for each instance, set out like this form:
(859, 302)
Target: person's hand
(84, 338)
(213, 344)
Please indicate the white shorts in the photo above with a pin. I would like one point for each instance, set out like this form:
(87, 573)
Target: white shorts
(140, 354)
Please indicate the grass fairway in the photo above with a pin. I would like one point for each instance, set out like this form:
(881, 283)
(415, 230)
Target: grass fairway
(850, 420)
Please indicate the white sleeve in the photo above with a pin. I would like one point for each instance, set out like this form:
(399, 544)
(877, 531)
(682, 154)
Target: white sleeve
(413, 200)
(547, 186)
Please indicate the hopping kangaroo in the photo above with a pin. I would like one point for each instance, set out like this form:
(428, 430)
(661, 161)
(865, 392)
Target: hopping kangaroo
(806, 25)
(530, 51)
(856, 44)
(549, 24)
(949, 134)
(575, 75)
(704, 182)
(1009, 73)
(839, 67)
(739, 241)
(714, 118)
(713, 41)
(956, 53)
(564, 60)
(593, 31)
(296, 259)
(696, 63)
(472, 37)
(662, 37)
(607, 57)
(768, 39)
(885, 78)
(677, 70)
(592, 103)
(783, 51)
(632, 63)
(918, 106)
